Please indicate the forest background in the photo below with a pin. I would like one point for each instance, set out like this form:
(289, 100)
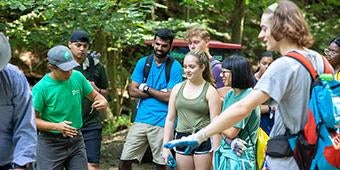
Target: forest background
(118, 29)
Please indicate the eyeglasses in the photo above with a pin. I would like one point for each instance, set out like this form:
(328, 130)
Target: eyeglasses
(329, 52)
(225, 71)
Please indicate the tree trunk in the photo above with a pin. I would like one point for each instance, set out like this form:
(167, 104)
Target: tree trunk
(100, 45)
(112, 62)
(237, 21)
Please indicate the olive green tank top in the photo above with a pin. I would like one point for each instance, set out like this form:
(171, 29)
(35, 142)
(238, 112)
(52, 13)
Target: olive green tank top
(193, 114)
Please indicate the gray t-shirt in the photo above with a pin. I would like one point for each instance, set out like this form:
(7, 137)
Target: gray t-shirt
(288, 83)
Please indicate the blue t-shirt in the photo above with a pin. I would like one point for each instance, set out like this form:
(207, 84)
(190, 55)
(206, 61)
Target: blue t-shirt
(151, 110)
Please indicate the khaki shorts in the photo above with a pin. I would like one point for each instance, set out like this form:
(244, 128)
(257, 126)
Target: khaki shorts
(139, 137)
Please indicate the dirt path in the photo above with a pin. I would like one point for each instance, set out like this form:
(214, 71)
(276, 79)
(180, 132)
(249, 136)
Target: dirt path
(111, 149)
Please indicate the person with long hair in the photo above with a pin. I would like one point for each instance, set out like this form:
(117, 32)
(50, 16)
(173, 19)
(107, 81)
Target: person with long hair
(286, 83)
(236, 72)
(195, 102)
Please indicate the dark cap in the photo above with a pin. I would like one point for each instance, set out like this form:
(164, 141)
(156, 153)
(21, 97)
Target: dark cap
(80, 36)
(61, 57)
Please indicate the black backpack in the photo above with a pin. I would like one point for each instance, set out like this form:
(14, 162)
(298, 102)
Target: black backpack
(214, 62)
(148, 64)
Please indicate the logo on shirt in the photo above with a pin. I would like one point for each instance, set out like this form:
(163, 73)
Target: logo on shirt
(75, 92)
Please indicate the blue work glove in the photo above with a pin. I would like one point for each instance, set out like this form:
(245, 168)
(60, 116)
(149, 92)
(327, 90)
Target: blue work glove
(237, 145)
(171, 163)
(191, 141)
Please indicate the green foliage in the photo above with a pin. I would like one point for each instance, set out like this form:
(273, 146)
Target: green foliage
(324, 21)
(40, 24)
(118, 123)
(37, 25)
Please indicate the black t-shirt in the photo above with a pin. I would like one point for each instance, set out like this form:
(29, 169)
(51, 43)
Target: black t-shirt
(100, 79)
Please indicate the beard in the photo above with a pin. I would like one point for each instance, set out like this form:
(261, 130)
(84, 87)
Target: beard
(163, 54)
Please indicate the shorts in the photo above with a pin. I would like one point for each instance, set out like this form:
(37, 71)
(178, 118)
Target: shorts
(54, 151)
(203, 148)
(92, 139)
(139, 137)
(266, 123)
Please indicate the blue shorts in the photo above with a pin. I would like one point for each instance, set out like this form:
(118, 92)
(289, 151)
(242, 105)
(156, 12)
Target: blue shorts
(266, 123)
(92, 140)
(203, 148)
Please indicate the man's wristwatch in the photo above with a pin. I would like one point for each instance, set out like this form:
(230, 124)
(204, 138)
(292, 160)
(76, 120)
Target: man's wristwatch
(146, 88)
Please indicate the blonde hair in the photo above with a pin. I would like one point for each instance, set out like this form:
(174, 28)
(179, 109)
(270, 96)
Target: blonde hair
(288, 21)
(203, 59)
(204, 34)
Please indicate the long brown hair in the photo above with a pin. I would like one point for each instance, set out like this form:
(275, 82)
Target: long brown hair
(288, 21)
(203, 59)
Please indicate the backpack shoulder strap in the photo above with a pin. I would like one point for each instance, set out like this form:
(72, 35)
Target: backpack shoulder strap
(147, 67)
(91, 68)
(327, 66)
(305, 62)
(168, 66)
(214, 62)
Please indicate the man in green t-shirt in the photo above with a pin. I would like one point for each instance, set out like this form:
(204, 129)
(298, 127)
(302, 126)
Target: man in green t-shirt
(57, 100)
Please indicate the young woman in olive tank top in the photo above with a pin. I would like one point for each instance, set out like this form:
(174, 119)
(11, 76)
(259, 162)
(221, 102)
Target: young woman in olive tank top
(194, 103)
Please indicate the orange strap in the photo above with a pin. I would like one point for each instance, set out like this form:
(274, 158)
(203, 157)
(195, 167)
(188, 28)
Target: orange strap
(308, 65)
(327, 66)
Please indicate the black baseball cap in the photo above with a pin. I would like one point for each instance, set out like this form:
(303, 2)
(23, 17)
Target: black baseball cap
(80, 36)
